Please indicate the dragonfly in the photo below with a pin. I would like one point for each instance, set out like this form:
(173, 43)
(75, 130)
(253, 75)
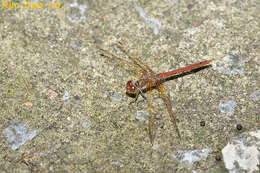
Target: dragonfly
(149, 80)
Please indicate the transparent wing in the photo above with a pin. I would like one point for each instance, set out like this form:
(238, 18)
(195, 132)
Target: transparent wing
(111, 55)
(161, 89)
(136, 60)
(150, 116)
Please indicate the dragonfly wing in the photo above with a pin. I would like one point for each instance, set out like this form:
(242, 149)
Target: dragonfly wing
(166, 100)
(136, 60)
(150, 117)
(111, 55)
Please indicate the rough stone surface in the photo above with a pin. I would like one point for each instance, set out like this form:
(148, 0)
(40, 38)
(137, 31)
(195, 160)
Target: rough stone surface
(47, 52)
(242, 154)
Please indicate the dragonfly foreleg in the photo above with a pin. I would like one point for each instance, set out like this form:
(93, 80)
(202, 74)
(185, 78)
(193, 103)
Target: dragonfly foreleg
(139, 92)
(142, 94)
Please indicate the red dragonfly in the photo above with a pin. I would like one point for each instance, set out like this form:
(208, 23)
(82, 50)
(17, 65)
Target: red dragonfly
(148, 80)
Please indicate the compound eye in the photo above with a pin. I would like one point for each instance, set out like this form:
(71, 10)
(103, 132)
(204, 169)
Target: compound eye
(130, 87)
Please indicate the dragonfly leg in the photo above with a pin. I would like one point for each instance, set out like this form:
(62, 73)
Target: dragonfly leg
(137, 95)
(142, 94)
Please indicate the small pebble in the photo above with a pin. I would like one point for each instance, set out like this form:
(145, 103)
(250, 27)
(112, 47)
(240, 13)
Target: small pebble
(218, 157)
(202, 123)
(239, 127)
(76, 97)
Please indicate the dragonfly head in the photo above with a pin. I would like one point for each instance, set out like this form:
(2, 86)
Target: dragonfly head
(131, 89)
